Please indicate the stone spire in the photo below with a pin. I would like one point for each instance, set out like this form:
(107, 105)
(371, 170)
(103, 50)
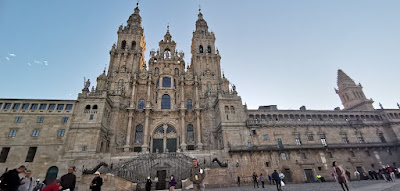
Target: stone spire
(201, 24)
(135, 20)
(343, 80)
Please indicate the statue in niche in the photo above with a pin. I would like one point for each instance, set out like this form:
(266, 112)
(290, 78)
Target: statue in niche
(233, 87)
(181, 54)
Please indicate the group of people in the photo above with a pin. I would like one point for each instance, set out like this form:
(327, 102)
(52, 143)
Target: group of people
(197, 176)
(275, 178)
(20, 180)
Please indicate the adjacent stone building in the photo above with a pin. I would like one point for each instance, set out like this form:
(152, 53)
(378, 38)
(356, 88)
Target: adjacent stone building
(141, 112)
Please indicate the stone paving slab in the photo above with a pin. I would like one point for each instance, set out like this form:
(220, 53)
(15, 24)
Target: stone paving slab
(367, 185)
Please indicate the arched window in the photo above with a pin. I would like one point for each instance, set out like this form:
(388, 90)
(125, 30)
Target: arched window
(232, 109)
(226, 109)
(209, 49)
(176, 72)
(159, 130)
(87, 107)
(165, 102)
(123, 45)
(170, 130)
(133, 45)
(189, 104)
(201, 48)
(190, 133)
(175, 97)
(139, 134)
(156, 97)
(95, 107)
(156, 71)
(166, 82)
(141, 104)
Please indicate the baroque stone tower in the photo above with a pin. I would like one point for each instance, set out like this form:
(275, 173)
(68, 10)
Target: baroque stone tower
(352, 95)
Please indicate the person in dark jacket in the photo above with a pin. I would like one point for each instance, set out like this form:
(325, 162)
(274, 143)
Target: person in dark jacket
(148, 184)
(68, 181)
(97, 182)
(277, 180)
(11, 180)
(172, 183)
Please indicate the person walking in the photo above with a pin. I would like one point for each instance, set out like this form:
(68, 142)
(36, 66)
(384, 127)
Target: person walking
(270, 179)
(30, 183)
(255, 181)
(68, 180)
(282, 177)
(197, 176)
(11, 179)
(357, 175)
(148, 184)
(262, 180)
(238, 181)
(340, 175)
(391, 173)
(97, 182)
(172, 183)
(277, 180)
(55, 186)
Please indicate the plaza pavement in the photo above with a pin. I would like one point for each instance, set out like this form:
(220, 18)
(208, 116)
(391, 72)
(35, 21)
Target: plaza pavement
(365, 185)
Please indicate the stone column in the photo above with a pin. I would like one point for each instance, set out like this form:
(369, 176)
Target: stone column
(183, 131)
(199, 144)
(127, 145)
(165, 126)
(145, 146)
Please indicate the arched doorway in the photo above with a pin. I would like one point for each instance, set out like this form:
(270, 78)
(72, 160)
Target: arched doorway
(165, 139)
(51, 175)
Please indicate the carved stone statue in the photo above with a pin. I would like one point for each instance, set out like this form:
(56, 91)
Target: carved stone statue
(233, 87)
(87, 84)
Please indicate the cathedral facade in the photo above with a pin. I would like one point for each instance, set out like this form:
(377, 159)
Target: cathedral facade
(169, 105)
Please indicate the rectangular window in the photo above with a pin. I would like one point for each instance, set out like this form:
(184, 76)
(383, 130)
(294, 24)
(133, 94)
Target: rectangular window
(91, 117)
(166, 82)
(84, 148)
(303, 156)
(34, 106)
(16, 106)
(298, 140)
(253, 132)
(1, 104)
(283, 155)
(60, 107)
(280, 144)
(360, 139)
(42, 106)
(329, 154)
(4, 154)
(310, 137)
(52, 106)
(25, 106)
(68, 107)
(35, 133)
(266, 137)
(64, 120)
(12, 133)
(31, 154)
(40, 119)
(344, 139)
(267, 164)
(17, 119)
(7, 106)
(323, 140)
(60, 133)
(249, 144)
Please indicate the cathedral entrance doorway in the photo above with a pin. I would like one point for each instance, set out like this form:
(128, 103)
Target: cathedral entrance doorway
(165, 139)
(161, 175)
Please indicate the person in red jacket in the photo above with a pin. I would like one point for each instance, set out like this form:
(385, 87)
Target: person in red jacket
(55, 186)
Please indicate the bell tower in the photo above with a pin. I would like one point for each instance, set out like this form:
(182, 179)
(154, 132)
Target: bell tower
(352, 95)
(127, 55)
(205, 61)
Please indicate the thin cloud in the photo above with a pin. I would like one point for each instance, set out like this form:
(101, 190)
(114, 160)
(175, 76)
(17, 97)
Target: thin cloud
(29, 64)
(45, 62)
(13, 55)
(37, 62)
(7, 58)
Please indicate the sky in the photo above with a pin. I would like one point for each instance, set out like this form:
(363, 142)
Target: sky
(283, 53)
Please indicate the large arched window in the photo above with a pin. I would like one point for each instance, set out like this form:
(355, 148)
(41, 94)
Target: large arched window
(166, 82)
(190, 133)
(201, 49)
(139, 134)
(165, 102)
(189, 104)
(123, 45)
(170, 130)
(133, 45)
(141, 104)
(87, 107)
(159, 130)
(209, 49)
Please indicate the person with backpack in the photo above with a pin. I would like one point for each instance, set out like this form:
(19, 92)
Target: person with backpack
(30, 183)
(10, 181)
